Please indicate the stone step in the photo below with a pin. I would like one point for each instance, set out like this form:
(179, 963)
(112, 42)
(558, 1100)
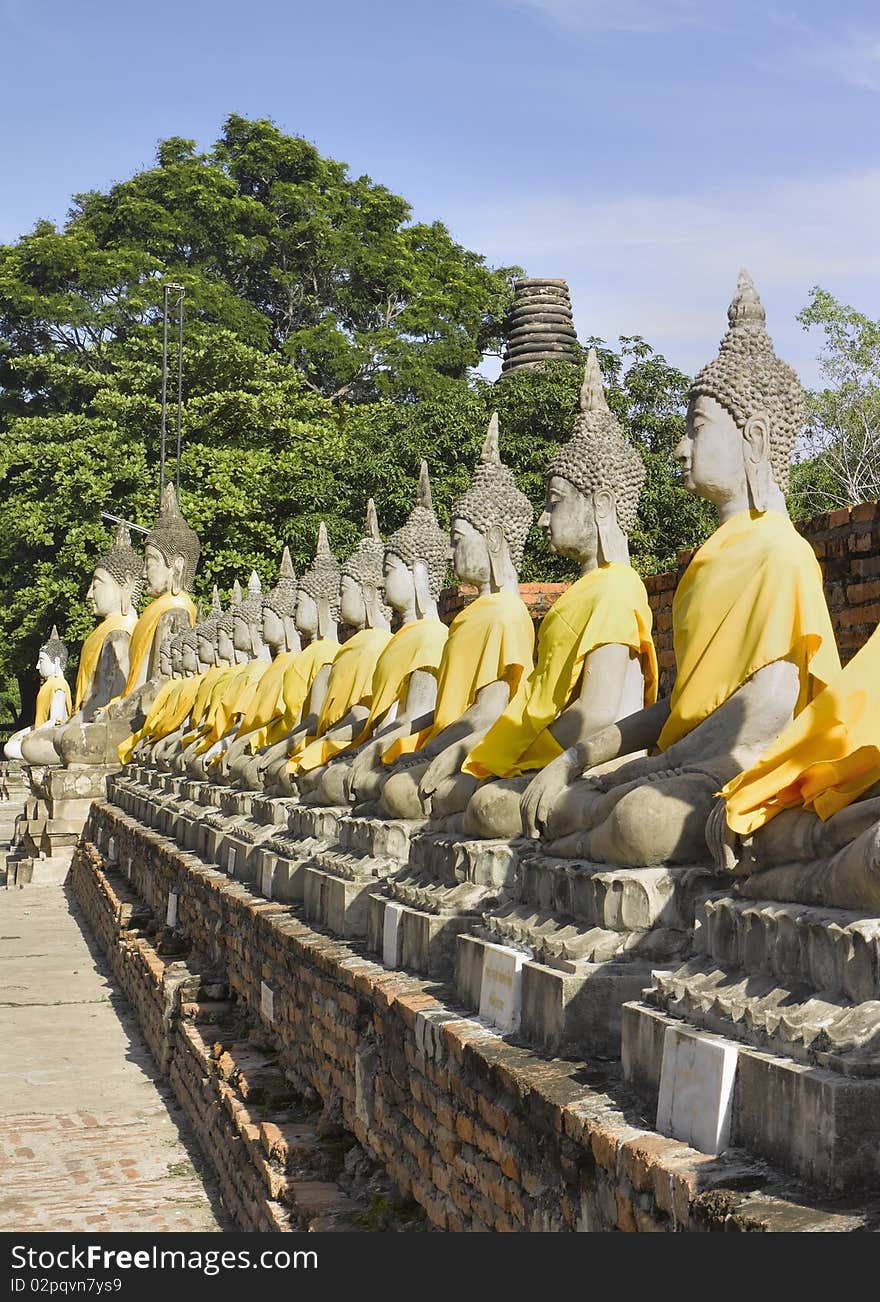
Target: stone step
(828, 949)
(449, 860)
(620, 899)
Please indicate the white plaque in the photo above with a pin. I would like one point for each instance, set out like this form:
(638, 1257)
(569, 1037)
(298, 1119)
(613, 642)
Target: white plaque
(696, 1088)
(501, 986)
(266, 875)
(111, 850)
(128, 867)
(230, 864)
(171, 911)
(267, 1001)
(391, 934)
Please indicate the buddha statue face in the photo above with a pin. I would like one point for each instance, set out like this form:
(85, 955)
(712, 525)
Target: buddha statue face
(352, 605)
(470, 554)
(225, 647)
(306, 614)
(189, 658)
(178, 668)
(713, 450)
(106, 595)
(206, 650)
(161, 574)
(244, 636)
(273, 627)
(399, 583)
(569, 520)
(47, 667)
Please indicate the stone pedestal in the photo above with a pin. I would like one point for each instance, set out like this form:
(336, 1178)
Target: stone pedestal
(796, 991)
(341, 875)
(68, 795)
(591, 934)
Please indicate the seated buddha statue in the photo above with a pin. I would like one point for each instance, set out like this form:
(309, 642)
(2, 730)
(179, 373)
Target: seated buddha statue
(349, 688)
(308, 674)
(53, 699)
(490, 643)
(173, 703)
(103, 657)
(751, 632)
(404, 687)
(802, 824)
(171, 554)
(199, 667)
(215, 639)
(595, 660)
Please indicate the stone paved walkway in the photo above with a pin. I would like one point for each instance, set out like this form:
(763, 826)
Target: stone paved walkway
(91, 1139)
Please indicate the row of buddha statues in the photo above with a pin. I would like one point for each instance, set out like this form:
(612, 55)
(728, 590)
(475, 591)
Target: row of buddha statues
(765, 756)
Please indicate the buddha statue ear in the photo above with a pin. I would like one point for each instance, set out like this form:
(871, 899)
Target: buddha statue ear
(613, 545)
(756, 460)
(126, 590)
(501, 568)
(292, 640)
(425, 603)
(371, 602)
(178, 568)
(325, 619)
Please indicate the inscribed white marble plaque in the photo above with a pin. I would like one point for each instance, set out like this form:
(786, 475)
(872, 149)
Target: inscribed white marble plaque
(230, 863)
(267, 872)
(696, 1088)
(391, 934)
(501, 986)
(171, 911)
(267, 1001)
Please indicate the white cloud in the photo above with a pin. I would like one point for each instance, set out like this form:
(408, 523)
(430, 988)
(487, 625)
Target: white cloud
(664, 266)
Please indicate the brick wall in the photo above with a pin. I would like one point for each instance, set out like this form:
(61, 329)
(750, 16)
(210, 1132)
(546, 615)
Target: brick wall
(484, 1134)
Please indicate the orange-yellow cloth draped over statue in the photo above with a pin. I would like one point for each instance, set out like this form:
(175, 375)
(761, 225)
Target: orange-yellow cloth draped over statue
(492, 639)
(91, 650)
(44, 699)
(169, 711)
(237, 696)
(751, 595)
(267, 705)
(416, 646)
(351, 680)
(827, 758)
(608, 605)
(145, 631)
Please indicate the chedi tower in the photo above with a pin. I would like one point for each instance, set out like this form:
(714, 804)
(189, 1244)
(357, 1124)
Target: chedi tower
(539, 327)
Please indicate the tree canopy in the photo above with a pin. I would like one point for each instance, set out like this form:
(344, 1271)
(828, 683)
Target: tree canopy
(331, 343)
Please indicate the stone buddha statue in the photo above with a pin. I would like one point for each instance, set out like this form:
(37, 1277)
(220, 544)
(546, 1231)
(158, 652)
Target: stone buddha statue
(752, 635)
(103, 658)
(215, 642)
(802, 825)
(347, 700)
(595, 660)
(180, 672)
(306, 678)
(490, 643)
(199, 672)
(404, 686)
(266, 709)
(171, 554)
(53, 699)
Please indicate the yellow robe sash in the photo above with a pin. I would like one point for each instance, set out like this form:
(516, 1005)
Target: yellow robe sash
(751, 595)
(169, 711)
(237, 696)
(44, 699)
(145, 631)
(208, 701)
(299, 679)
(491, 639)
(608, 605)
(825, 759)
(416, 646)
(350, 684)
(90, 653)
(267, 705)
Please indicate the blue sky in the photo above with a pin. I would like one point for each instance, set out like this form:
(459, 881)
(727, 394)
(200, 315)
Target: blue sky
(643, 149)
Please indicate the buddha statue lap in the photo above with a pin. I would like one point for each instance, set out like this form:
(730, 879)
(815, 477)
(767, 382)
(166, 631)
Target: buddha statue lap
(198, 664)
(752, 635)
(490, 643)
(171, 554)
(802, 825)
(595, 661)
(53, 707)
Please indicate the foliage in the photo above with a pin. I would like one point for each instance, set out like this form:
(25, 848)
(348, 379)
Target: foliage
(840, 456)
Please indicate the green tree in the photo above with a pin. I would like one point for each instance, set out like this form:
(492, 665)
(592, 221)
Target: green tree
(839, 461)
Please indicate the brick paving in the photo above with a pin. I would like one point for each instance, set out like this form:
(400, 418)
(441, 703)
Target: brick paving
(91, 1139)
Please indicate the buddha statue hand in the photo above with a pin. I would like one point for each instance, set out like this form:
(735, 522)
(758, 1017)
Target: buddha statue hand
(545, 789)
(445, 766)
(728, 850)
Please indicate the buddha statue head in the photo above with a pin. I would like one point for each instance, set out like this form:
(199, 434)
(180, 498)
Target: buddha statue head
(279, 609)
(200, 643)
(116, 581)
(225, 628)
(417, 558)
(490, 523)
(165, 657)
(745, 409)
(593, 482)
(317, 601)
(52, 657)
(363, 581)
(171, 550)
(247, 622)
(176, 658)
